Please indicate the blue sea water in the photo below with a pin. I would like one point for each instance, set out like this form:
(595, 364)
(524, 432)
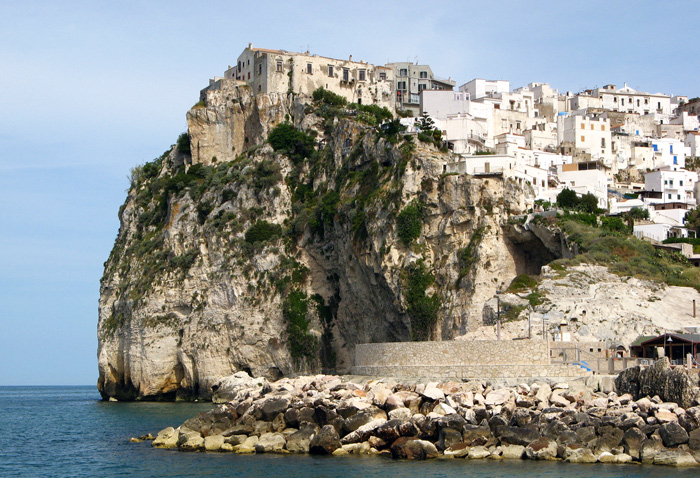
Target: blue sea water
(69, 432)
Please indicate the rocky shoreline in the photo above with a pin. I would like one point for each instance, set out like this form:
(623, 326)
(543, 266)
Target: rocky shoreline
(330, 415)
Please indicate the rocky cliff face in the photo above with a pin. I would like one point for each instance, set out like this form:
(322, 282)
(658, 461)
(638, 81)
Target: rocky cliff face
(278, 260)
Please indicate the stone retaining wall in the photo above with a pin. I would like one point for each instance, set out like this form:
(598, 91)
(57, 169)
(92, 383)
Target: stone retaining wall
(461, 359)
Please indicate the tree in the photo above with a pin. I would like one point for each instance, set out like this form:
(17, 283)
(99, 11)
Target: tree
(426, 123)
(692, 219)
(589, 203)
(568, 199)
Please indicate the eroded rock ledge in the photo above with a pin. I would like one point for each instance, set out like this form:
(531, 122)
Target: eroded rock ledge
(332, 415)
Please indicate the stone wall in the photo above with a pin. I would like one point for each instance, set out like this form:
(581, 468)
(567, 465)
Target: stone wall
(461, 359)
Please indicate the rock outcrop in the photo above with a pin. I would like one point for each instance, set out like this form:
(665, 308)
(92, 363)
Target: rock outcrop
(241, 258)
(678, 385)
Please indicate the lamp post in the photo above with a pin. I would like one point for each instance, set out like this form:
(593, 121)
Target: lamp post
(498, 314)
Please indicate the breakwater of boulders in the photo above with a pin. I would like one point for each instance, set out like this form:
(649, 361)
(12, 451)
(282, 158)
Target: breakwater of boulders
(470, 420)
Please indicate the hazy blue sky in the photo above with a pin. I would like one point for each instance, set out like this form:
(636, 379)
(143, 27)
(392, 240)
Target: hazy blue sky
(90, 89)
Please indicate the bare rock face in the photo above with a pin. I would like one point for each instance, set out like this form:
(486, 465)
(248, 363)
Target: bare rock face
(671, 385)
(191, 294)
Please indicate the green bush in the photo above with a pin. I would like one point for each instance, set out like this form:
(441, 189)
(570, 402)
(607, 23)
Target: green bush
(183, 144)
(262, 231)
(302, 344)
(521, 283)
(421, 308)
(409, 223)
(322, 95)
(288, 140)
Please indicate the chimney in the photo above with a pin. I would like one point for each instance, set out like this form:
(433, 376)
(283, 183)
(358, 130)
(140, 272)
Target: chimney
(350, 58)
(250, 46)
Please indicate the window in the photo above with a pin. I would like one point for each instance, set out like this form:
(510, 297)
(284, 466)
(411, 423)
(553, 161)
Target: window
(421, 87)
(279, 65)
(583, 139)
(583, 125)
(622, 101)
(646, 101)
(675, 160)
(401, 85)
(592, 126)
(679, 196)
(330, 70)
(615, 100)
(309, 68)
(249, 75)
(602, 127)
(602, 142)
(637, 102)
(346, 74)
(362, 75)
(671, 148)
(670, 182)
(382, 76)
(681, 182)
(403, 72)
(423, 74)
(260, 69)
(656, 147)
(669, 196)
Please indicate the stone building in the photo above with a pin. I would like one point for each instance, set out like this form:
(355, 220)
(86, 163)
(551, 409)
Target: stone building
(280, 71)
(410, 80)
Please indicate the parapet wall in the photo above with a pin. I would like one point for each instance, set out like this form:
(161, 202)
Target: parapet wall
(455, 352)
(477, 359)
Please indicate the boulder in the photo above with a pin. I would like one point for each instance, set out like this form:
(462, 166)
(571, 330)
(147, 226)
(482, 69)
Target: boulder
(298, 442)
(167, 438)
(248, 446)
(674, 458)
(458, 450)
(240, 383)
(270, 443)
(650, 447)
(273, 406)
(413, 449)
(542, 449)
(498, 397)
(693, 439)
(213, 442)
(580, 455)
(432, 392)
(517, 435)
(190, 440)
(400, 413)
(512, 452)
(632, 442)
(478, 453)
(325, 442)
(673, 434)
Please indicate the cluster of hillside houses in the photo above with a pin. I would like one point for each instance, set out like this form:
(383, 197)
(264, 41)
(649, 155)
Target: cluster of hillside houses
(629, 148)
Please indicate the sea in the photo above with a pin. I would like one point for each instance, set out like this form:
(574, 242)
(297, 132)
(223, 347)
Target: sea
(69, 432)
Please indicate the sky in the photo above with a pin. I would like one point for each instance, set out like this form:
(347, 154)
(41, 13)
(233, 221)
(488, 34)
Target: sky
(90, 89)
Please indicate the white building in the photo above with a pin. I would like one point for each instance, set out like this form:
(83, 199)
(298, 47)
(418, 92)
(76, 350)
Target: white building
(480, 88)
(588, 133)
(692, 143)
(584, 178)
(626, 100)
(669, 152)
(675, 184)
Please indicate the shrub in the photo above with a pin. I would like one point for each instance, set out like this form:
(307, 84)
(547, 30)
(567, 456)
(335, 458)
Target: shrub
(421, 308)
(262, 231)
(302, 344)
(521, 283)
(288, 140)
(203, 210)
(322, 95)
(409, 223)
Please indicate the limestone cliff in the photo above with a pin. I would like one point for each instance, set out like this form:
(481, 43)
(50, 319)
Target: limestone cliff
(278, 260)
